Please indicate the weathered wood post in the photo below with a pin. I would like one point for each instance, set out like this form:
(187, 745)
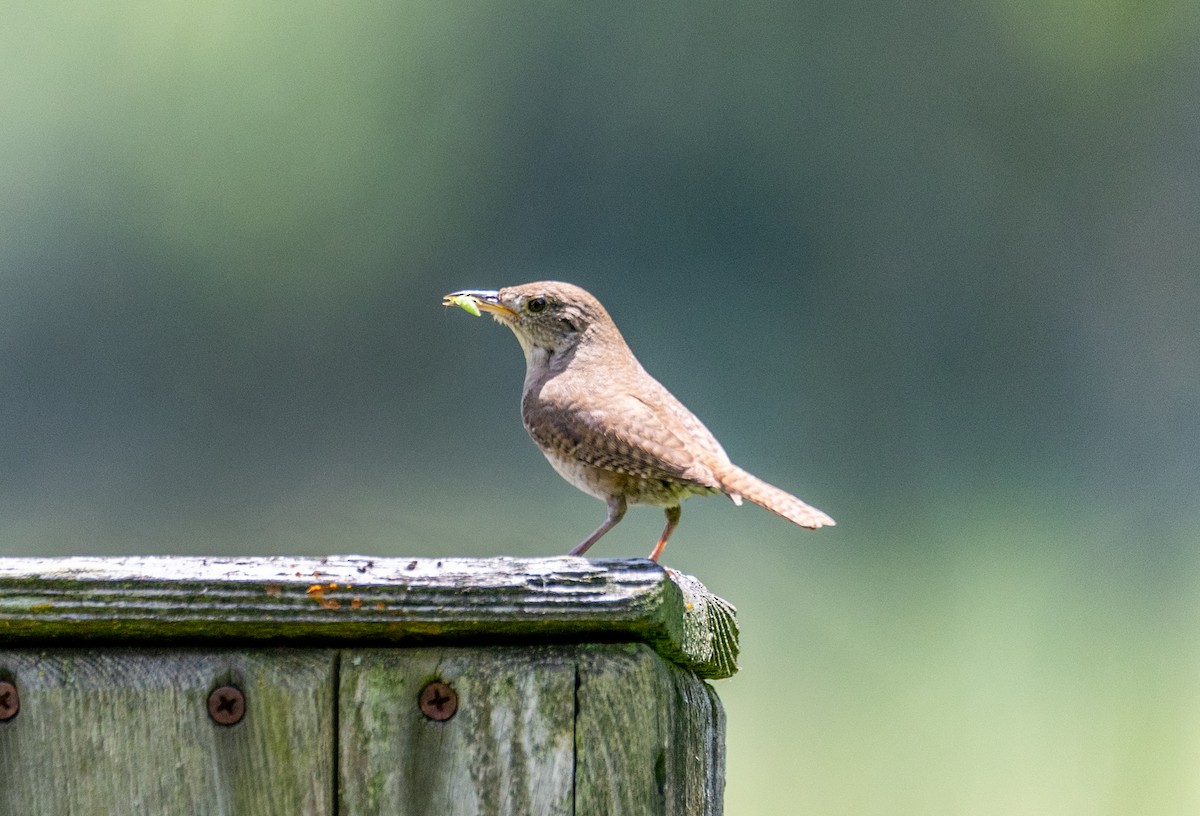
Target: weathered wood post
(357, 686)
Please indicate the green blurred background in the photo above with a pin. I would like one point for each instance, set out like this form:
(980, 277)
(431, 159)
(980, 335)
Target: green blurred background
(935, 267)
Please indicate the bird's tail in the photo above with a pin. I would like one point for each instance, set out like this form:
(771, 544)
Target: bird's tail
(737, 483)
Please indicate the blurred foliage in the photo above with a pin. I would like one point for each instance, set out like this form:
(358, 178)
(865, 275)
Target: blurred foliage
(932, 266)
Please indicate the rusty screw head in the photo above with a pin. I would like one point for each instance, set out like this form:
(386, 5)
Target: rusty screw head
(438, 701)
(226, 705)
(10, 701)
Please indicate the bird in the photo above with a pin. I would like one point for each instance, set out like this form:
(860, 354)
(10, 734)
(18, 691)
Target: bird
(604, 423)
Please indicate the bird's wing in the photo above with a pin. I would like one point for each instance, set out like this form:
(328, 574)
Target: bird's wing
(627, 434)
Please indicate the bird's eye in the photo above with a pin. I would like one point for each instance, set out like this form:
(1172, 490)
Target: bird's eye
(537, 304)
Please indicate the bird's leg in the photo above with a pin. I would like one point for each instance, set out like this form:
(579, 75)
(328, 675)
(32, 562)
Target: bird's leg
(673, 514)
(616, 512)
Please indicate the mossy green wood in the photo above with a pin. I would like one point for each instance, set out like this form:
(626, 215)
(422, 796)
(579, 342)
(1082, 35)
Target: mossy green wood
(579, 684)
(573, 730)
(112, 732)
(507, 751)
(649, 736)
(353, 599)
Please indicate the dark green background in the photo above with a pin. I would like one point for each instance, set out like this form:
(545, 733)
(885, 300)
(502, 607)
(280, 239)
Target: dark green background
(932, 266)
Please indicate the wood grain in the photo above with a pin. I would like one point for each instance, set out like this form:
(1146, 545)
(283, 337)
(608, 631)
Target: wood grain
(649, 737)
(607, 729)
(507, 751)
(578, 684)
(356, 600)
(114, 732)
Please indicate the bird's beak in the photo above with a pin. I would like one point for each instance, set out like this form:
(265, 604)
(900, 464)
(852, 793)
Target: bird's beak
(486, 299)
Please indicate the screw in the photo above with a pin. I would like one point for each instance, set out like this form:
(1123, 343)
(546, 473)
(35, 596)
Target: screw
(438, 701)
(226, 705)
(10, 701)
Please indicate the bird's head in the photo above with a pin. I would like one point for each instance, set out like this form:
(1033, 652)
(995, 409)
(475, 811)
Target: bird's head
(548, 317)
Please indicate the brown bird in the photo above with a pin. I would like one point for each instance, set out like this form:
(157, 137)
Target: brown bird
(607, 426)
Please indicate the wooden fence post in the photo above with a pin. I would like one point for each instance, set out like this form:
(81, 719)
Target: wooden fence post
(356, 686)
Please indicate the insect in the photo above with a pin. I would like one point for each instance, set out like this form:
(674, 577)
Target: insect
(464, 302)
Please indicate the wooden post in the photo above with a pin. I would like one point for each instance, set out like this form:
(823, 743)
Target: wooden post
(358, 686)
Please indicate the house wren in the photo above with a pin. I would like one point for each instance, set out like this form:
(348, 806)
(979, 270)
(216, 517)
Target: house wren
(607, 426)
